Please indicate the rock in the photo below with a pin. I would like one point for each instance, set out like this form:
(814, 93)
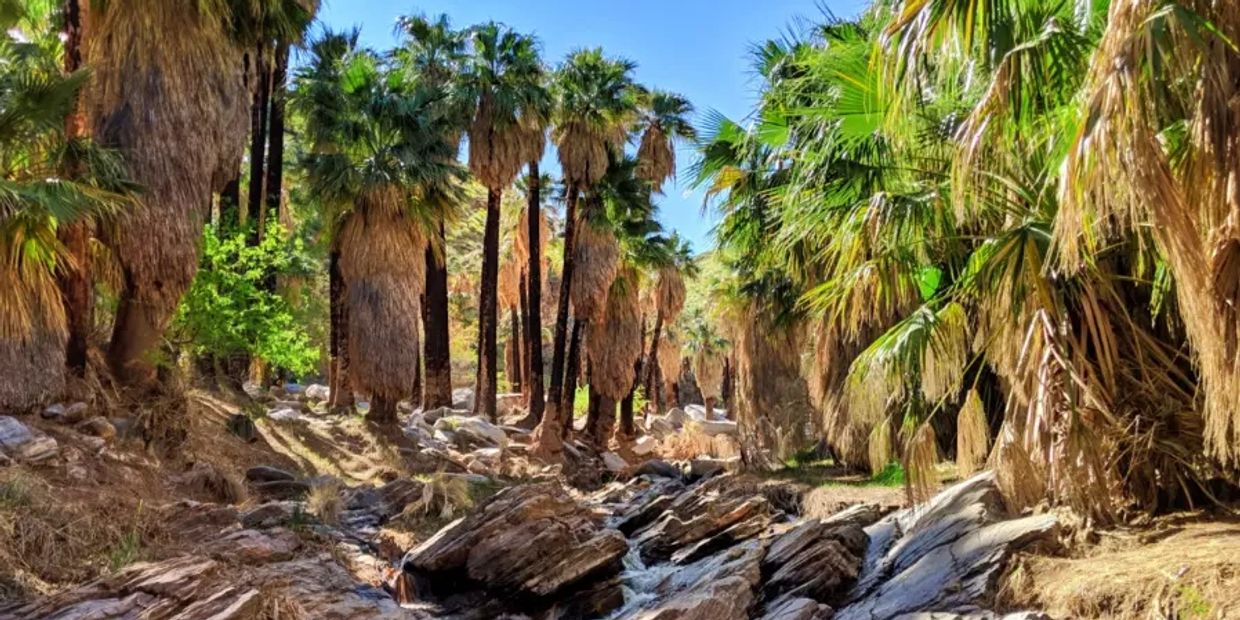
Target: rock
(293, 388)
(294, 405)
(268, 515)
(657, 468)
(281, 489)
(318, 393)
(20, 443)
(285, 415)
(815, 560)
(613, 462)
(710, 516)
(715, 427)
(659, 427)
(98, 426)
(463, 399)
(75, 413)
(239, 425)
(505, 544)
(645, 445)
(721, 587)
(706, 467)
(255, 547)
(974, 615)
(433, 415)
(677, 418)
(472, 430)
(267, 473)
(54, 412)
(792, 608)
(943, 556)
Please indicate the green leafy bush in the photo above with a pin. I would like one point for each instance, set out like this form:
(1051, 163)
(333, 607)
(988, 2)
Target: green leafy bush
(233, 308)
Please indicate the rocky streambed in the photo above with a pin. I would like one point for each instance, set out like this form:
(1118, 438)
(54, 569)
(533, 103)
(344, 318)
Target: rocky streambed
(665, 544)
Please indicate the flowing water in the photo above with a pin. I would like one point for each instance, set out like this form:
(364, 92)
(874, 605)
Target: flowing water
(640, 581)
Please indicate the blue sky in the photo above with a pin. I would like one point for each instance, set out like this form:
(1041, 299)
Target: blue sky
(694, 47)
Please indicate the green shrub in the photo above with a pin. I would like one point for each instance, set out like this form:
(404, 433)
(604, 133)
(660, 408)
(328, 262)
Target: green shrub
(232, 307)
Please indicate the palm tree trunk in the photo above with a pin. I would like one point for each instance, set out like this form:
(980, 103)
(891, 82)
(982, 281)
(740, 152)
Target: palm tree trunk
(341, 393)
(488, 313)
(258, 143)
(524, 300)
(533, 292)
(571, 372)
(651, 380)
(437, 387)
(75, 283)
(627, 429)
(382, 411)
(515, 380)
(566, 283)
(275, 133)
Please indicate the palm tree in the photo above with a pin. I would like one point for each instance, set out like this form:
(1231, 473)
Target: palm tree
(434, 52)
(37, 197)
(669, 298)
(595, 100)
(383, 171)
(76, 287)
(664, 119)
(505, 78)
(175, 106)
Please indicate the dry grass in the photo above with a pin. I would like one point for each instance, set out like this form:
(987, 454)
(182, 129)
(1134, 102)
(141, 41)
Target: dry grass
(214, 484)
(921, 456)
(325, 502)
(443, 497)
(772, 397)
(1177, 570)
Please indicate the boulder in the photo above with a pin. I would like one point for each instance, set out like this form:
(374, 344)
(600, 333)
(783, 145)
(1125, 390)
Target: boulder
(944, 556)
(709, 517)
(281, 489)
(318, 393)
(271, 514)
(658, 468)
(645, 445)
(720, 587)
(659, 426)
(98, 426)
(285, 415)
(613, 462)
(715, 427)
(471, 431)
(21, 443)
(255, 547)
(795, 608)
(677, 417)
(814, 559)
(506, 543)
(463, 399)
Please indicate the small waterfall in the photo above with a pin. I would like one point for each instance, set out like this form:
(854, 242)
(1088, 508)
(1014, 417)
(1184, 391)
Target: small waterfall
(640, 582)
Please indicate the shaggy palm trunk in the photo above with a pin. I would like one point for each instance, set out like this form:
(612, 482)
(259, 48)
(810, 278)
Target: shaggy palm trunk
(75, 282)
(533, 291)
(258, 143)
(437, 386)
(524, 326)
(275, 133)
(382, 411)
(552, 419)
(341, 393)
(488, 312)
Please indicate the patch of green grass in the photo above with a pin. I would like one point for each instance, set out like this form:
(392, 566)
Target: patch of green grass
(581, 402)
(1193, 603)
(126, 551)
(892, 476)
(14, 493)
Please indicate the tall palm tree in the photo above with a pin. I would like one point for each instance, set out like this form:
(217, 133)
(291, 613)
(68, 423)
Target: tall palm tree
(76, 286)
(669, 301)
(435, 52)
(379, 164)
(50, 177)
(175, 106)
(664, 120)
(505, 78)
(595, 100)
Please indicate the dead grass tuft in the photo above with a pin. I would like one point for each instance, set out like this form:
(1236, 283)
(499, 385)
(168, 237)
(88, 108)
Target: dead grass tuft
(325, 502)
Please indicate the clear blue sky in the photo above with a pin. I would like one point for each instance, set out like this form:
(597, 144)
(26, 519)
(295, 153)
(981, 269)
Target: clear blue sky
(695, 47)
